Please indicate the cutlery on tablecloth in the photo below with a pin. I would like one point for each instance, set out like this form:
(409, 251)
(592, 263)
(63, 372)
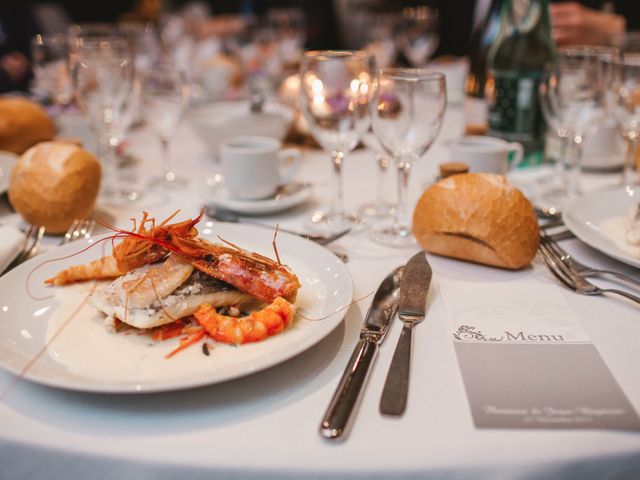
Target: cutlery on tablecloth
(222, 215)
(574, 280)
(414, 287)
(339, 413)
(581, 268)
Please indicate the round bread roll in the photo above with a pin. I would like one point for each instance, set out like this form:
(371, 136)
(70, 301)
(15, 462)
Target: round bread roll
(23, 123)
(54, 183)
(477, 217)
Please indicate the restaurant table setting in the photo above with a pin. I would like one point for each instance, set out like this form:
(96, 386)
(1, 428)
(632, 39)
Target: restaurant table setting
(468, 329)
(71, 431)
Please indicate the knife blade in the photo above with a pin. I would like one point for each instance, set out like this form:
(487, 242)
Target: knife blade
(338, 416)
(414, 287)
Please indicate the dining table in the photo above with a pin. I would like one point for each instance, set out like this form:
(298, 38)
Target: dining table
(265, 425)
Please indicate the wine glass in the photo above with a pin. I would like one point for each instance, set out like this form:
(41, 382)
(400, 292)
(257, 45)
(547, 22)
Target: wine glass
(574, 103)
(166, 94)
(52, 78)
(627, 113)
(417, 34)
(407, 112)
(335, 90)
(103, 76)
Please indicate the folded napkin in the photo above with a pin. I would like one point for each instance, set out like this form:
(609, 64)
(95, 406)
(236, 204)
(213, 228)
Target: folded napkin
(11, 240)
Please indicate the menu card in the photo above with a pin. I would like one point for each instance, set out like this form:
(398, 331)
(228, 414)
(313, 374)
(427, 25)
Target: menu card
(527, 362)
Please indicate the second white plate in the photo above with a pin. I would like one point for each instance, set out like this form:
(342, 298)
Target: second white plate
(596, 219)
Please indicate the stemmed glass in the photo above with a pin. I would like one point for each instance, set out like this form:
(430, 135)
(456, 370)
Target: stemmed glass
(407, 111)
(417, 34)
(574, 102)
(627, 113)
(52, 79)
(103, 75)
(165, 96)
(336, 88)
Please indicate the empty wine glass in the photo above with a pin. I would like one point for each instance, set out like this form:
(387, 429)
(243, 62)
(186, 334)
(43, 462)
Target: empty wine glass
(166, 94)
(381, 208)
(574, 102)
(627, 114)
(417, 34)
(103, 76)
(335, 89)
(407, 111)
(52, 78)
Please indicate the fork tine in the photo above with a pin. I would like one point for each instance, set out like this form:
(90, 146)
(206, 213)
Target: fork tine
(557, 259)
(68, 236)
(554, 265)
(562, 253)
(32, 235)
(36, 243)
(87, 229)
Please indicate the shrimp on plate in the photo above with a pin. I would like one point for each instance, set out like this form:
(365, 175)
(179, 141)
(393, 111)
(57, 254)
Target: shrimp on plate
(165, 273)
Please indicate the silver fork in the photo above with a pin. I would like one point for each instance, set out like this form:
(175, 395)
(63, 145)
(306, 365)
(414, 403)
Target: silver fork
(31, 245)
(78, 229)
(583, 269)
(572, 279)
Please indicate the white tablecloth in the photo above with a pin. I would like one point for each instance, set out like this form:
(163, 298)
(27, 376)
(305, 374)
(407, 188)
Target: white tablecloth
(265, 426)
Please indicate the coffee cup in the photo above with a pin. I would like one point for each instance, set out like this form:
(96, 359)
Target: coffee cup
(486, 154)
(254, 167)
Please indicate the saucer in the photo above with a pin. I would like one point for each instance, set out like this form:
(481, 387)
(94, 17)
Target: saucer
(287, 196)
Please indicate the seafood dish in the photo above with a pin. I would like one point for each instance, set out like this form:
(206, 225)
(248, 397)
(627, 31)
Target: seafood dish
(167, 281)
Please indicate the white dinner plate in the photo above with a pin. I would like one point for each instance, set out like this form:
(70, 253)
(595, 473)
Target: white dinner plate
(596, 219)
(7, 160)
(42, 339)
(288, 196)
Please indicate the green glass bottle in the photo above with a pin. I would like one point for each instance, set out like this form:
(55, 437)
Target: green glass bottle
(516, 61)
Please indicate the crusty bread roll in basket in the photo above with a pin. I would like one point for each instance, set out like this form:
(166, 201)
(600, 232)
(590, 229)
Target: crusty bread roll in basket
(478, 217)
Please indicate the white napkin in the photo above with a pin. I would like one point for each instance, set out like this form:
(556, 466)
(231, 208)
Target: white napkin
(11, 240)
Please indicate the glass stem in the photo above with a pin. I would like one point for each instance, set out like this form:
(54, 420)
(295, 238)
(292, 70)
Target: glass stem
(166, 166)
(337, 199)
(628, 173)
(383, 171)
(562, 163)
(575, 167)
(402, 222)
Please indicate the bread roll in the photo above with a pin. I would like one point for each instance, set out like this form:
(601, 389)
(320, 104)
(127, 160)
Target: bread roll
(54, 183)
(477, 217)
(23, 123)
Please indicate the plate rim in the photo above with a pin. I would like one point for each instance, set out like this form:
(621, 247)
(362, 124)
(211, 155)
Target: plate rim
(258, 207)
(105, 387)
(575, 226)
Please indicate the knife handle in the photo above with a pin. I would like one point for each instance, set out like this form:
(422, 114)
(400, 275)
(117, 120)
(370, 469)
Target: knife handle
(396, 387)
(336, 418)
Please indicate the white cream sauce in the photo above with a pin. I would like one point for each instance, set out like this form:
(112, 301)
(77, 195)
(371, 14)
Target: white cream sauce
(617, 230)
(85, 346)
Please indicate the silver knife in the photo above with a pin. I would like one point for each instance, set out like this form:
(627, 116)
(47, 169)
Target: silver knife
(414, 287)
(338, 415)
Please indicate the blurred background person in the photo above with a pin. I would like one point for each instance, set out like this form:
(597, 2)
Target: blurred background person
(592, 21)
(16, 29)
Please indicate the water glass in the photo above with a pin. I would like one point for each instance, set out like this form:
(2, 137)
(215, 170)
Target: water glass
(336, 88)
(407, 111)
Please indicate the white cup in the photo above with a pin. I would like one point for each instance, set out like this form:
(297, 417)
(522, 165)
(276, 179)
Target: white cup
(254, 167)
(486, 154)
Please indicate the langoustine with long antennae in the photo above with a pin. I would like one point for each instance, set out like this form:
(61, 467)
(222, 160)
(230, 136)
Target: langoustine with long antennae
(249, 272)
(165, 273)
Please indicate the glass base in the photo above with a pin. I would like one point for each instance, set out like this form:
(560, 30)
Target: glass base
(325, 223)
(394, 236)
(168, 181)
(373, 213)
(119, 197)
